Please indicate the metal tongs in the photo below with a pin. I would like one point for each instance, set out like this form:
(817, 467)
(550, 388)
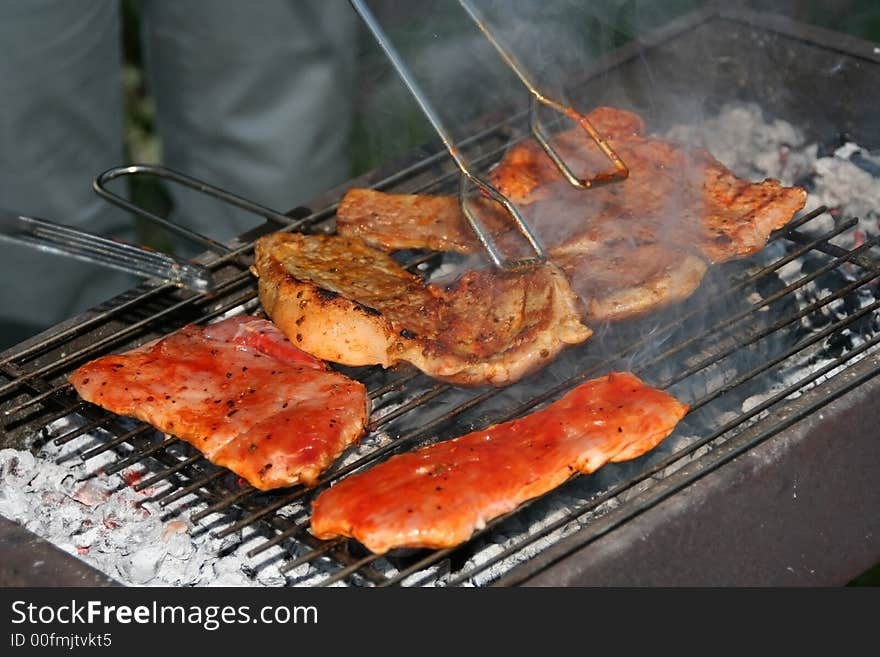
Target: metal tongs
(469, 179)
(620, 170)
(89, 247)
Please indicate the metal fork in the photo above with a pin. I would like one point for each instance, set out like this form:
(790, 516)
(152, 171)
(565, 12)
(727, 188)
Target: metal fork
(56, 238)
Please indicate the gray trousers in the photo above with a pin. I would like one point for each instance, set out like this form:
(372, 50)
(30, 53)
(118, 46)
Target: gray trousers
(254, 97)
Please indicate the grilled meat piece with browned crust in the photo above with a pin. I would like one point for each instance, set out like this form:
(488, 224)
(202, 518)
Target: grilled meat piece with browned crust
(343, 301)
(431, 222)
(625, 280)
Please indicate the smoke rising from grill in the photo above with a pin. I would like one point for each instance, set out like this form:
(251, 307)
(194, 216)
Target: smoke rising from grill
(463, 76)
(114, 530)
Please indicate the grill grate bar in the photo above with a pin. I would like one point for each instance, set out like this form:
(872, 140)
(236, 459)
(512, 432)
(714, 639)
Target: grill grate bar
(139, 455)
(52, 416)
(781, 323)
(225, 503)
(313, 554)
(262, 512)
(395, 385)
(726, 325)
(278, 538)
(798, 222)
(98, 418)
(159, 476)
(115, 442)
(173, 493)
(832, 249)
(818, 337)
(58, 391)
(352, 568)
(85, 428)
(433, 393)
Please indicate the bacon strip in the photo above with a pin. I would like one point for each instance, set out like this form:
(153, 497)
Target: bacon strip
(435, 497)
(238, 391)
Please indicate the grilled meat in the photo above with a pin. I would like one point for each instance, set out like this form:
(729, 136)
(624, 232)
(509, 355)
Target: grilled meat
(673, 195)
(678, 202)
(435, 497)
(526, 174)
(240, 393)
(625, 280)
(346, 302)
(432, 222)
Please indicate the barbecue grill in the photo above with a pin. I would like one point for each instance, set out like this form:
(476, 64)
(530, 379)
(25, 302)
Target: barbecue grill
(771, 477)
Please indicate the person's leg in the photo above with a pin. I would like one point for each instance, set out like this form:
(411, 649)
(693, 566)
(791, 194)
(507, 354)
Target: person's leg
(60, 126)
(252, 97)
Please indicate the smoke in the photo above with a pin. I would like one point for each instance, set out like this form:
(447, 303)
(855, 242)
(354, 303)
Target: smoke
(464, 78)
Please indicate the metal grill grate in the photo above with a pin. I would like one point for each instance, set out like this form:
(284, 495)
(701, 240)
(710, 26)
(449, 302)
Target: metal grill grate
(410, 409)
(752, 352)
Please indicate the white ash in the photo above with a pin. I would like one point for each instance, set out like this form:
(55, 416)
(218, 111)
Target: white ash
(836, 180)
(101, 520)
(742, 140)
(842, 184)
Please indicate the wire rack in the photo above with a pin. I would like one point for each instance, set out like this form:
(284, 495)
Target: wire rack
(732, 341)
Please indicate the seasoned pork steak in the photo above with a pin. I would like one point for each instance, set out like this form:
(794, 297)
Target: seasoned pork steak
(344, 301)
(435, 497)
(240, 393)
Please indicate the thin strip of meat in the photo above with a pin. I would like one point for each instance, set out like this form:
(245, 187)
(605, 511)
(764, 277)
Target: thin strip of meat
(437, 496)
(677, 201)
(346, 302)
(239, 392)
(432, 222)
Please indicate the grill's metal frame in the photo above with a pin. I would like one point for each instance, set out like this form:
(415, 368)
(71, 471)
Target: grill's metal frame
(34, 371)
